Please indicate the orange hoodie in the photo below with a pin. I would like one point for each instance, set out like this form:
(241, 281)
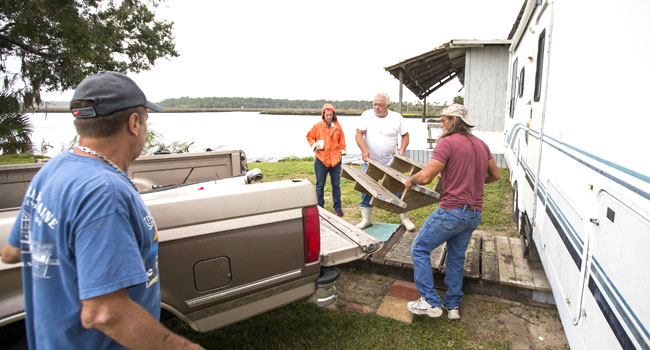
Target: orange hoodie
(333, 136)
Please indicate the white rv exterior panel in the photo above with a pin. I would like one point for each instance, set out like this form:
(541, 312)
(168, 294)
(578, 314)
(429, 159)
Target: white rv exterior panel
(579, 163)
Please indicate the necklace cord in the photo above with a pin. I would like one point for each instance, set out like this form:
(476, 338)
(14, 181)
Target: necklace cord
(107, 161)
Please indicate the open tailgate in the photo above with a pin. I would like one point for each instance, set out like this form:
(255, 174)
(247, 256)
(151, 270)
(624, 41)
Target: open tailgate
(342, 242)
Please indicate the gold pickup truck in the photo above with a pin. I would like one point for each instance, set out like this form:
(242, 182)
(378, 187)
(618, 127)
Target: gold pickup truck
(231, 247)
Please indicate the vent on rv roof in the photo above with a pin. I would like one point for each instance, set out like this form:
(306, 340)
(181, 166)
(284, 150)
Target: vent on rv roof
(610, 214)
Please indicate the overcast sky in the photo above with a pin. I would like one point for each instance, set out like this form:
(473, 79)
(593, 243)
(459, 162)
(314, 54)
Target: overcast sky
(333, 50)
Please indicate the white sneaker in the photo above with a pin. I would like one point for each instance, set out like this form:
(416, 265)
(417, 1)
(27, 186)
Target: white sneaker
(453, 313)
(421, 307)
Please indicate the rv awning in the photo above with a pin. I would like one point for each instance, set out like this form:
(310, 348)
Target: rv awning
(429, 71)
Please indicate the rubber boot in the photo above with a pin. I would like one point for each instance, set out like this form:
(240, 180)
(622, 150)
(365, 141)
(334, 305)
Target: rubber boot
(406, 221)
(366, 215)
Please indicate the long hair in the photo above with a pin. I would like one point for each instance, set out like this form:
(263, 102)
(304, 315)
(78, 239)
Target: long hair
(459, 127)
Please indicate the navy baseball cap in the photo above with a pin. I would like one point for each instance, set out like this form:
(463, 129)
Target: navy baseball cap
(111, 92)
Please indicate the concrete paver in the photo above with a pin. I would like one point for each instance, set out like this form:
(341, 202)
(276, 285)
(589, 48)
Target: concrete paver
(395, 308)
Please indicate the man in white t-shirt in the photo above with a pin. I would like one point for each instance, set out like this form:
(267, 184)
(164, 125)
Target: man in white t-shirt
(377, 136)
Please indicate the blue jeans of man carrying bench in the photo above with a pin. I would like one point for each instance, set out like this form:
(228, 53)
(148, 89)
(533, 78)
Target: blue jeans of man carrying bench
(454, 226)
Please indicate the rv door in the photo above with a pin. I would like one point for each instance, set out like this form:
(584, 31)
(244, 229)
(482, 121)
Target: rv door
(541, 23)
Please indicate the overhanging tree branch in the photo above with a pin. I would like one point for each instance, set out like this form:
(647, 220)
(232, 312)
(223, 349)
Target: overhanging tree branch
(26, 47)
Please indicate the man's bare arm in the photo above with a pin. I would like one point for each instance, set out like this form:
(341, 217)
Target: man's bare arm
(10, 254)
(405, 142)
(426, 175)
(122, 319)
(493, 172)
(362, 144)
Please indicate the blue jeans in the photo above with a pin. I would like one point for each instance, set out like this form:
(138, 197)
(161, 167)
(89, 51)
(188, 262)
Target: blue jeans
(335, 177)
(454, 226)
(365, 198)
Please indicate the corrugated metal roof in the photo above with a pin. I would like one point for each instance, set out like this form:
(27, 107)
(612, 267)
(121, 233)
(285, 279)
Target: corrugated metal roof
(429, 71)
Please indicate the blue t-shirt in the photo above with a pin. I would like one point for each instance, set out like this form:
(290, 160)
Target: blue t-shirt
(83, 232)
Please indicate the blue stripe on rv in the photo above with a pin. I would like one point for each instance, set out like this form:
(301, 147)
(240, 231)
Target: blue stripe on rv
(614, 324)
(622, 307)
(565, 239)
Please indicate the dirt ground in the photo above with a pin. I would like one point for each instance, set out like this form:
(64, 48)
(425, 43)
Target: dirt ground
(491, 323)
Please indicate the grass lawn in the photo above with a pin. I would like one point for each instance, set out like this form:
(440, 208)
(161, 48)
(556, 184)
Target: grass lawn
(8, 159)
(302, 325)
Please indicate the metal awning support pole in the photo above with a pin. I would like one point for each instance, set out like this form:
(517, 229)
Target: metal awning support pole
(424, 110)
(401, 87)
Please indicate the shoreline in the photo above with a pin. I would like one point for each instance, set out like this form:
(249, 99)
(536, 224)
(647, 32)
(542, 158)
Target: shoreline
(278, 111)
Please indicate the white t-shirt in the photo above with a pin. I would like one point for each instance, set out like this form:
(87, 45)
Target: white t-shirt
(382, 134)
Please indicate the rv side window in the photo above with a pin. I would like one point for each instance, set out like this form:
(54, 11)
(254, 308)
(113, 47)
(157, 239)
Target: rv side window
(513, 88)
(540, 65)
(521, 81)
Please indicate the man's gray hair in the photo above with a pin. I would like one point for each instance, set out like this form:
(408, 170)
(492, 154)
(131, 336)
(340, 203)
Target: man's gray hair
(384, 96)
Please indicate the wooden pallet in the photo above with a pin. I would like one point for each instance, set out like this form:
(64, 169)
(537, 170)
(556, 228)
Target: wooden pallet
(378, 180)
(514, 269)
(393, 180)
(383, 198)
(493, 259)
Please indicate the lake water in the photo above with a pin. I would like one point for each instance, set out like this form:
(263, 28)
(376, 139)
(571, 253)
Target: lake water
(261, 136)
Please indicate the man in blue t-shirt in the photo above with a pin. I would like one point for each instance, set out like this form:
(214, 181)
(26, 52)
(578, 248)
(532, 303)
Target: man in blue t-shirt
(88, 245)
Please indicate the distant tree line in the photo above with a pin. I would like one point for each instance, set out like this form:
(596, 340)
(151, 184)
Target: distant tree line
(256, 102)
(271, 103)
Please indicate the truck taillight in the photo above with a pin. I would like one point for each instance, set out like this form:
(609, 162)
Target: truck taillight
(311, 233)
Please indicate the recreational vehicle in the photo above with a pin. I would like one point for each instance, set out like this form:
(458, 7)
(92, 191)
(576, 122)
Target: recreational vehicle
(576, 142)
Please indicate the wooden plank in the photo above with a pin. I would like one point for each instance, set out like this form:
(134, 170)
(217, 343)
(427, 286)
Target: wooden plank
(357, 186)
(539, 276)
(372, 170)
(389, 205)
(393, 263)
(415, 200)
(404, 164)
(345, 174)
(473, 257)
(401, 250)
(392, 179)
(381, 197)
(504, 257)
(522, 271)
(391, 184)
(437, 187)
(489, 263)
(438, 256)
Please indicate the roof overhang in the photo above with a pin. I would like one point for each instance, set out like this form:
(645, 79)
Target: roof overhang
(426, 73)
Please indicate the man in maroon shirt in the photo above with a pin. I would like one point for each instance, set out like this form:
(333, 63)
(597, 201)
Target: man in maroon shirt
(465, 164)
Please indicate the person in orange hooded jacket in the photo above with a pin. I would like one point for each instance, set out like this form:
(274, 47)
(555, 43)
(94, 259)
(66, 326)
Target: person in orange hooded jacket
(328, 142)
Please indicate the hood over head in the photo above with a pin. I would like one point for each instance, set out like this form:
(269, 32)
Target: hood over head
(328, 106)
